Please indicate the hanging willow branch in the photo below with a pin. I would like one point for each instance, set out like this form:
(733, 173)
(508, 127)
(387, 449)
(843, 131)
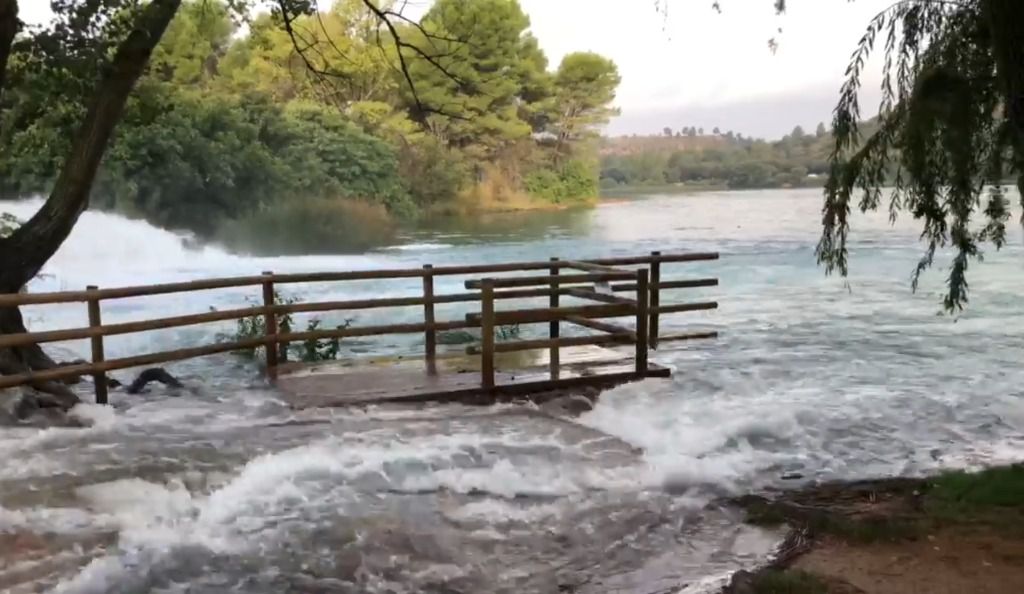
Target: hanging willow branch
(943, 135)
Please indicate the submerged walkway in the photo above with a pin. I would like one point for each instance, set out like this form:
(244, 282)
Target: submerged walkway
(457, 378)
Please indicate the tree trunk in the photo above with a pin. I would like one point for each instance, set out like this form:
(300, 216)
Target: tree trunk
(1006, 18)
(9, 25)
(23, 254)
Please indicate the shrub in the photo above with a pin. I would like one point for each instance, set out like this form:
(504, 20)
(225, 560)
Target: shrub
(309, 351)
(312, 226)
(576, 180)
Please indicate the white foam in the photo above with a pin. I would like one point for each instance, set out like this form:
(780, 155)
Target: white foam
(60, 520)
(685, 443)
(148, 514)
(418, 247)
(499, 511)
(94, 415)
(112, 250)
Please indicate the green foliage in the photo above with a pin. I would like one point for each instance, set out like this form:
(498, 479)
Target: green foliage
(308, 351)
(545, 184)
(186, 159)
(503, 333)
(951, 123)
(194, 159)
(326, 155)
(191, 48)
(471, 85)
(574, 181)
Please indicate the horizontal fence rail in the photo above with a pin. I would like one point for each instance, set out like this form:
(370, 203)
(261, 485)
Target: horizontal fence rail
(252, 281)
(618, 292)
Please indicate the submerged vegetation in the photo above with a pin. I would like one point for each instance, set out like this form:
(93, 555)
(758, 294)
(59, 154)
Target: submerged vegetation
(321, 122)
(8, 223)
(307, 351)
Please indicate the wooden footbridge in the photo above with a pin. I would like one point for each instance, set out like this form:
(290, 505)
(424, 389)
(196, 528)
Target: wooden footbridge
(583, 294)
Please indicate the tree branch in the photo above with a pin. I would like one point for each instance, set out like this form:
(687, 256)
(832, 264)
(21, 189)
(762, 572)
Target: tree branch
(383, 16)
(24, 253)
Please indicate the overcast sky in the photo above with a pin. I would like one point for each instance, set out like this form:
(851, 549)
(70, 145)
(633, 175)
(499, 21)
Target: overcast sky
(696, 67)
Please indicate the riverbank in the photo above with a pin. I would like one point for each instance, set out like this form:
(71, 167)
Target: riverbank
(693, 187)
(955, 532)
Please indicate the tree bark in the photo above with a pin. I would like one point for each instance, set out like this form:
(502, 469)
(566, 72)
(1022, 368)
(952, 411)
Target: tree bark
(1006, 19)
(23, 254)
(9, 25)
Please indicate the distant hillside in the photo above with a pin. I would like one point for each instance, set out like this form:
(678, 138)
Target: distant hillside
(689, 159)
(631, 145)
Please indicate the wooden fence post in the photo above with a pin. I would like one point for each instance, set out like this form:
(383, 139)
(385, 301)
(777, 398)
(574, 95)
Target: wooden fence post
(99, 378)
(642, 294)
(487, 334)
(655, 297)
(430, 337)
(270, 325)
(554, 328)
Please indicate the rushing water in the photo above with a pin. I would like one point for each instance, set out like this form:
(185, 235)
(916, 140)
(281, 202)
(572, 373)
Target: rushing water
(224, 489)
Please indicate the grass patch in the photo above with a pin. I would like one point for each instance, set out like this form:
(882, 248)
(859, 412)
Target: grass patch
(993, 487)
(788, 582)
(992, 498)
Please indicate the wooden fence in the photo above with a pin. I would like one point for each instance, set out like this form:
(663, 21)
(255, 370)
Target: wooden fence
(556, 282)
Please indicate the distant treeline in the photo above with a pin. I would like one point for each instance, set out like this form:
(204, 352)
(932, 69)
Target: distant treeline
(728, 160)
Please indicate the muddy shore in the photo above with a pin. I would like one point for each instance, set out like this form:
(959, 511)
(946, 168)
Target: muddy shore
(953, 533)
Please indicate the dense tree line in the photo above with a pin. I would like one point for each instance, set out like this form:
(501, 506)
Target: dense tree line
(725, 159)
(323, 121)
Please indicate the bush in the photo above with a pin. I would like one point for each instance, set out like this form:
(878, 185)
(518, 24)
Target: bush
(545, 184)
(194, 159)
(312, 226)
(309, 351)
(576, 180)
(325, 155)
(434, 174)
(579, 180)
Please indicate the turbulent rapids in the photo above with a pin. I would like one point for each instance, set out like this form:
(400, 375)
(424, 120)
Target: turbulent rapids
(224, 488)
